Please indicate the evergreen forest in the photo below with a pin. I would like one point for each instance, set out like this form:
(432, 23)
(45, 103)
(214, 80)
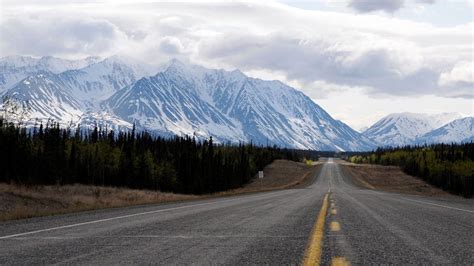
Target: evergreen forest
(448, 166)
(51, 155)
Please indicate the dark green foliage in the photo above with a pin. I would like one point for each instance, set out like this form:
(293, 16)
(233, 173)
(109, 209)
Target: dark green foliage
(50, 155)
(448, 166)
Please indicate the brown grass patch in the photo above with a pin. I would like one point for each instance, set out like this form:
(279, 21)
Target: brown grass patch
(389, 178)
(281, 174)
(18, 202)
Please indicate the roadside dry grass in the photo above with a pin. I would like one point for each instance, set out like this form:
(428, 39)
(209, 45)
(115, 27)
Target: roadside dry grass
(389, 178)
(18, 202)
(281, 174)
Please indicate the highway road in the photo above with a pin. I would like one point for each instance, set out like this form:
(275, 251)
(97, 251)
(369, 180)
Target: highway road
(330, 222)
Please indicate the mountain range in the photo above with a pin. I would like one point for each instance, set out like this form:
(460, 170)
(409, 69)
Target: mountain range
(459, 130)
(401, 129)
(186, 99)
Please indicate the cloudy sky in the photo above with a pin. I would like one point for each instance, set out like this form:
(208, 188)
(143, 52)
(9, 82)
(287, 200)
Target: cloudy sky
(358, 59)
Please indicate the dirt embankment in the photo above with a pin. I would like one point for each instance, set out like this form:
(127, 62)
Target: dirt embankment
(390, 178)
(17, 202)
(281, 174)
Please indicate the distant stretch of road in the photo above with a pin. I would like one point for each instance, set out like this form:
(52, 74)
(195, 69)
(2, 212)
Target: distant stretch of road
(331, 221)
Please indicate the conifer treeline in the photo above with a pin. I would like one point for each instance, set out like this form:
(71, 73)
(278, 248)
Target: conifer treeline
(52, 155)
(448, 166)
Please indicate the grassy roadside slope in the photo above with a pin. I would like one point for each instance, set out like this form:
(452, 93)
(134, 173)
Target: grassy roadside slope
(17, 202)
(391, 179)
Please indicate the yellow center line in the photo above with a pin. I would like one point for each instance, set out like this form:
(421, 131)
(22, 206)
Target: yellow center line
(335, 226)
(313, 252)
(333, 211)
(339, 261)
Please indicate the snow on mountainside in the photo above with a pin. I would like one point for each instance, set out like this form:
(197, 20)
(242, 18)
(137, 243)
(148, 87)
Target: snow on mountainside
(58, 65)
(49, 97)
(439, 120)
(102, 120)
(459, 130)
(45, 97)
(404, 128)
(15, 68)
(98, 81)
(187, 99)
(159, 104)
(182, 99)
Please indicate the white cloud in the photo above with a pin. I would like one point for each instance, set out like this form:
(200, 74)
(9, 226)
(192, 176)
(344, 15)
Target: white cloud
(461, 72)
(459, 81)
(363, 61)
(388, 6)
(374, 5)
(47, 33)
(321, 52)
(171, 45)
(392, 56)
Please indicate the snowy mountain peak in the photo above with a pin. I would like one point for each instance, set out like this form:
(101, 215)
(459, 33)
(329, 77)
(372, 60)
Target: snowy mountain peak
(459, 130)
(237, 73)
(187, 99)
(404, 128)
(174, 62)
(435, 120)
(17, 61)
(177, 67)
(92, 59)
(58, 65)
(116, 60)
(45, 96)
(139, 68)
(190, 99)
(15, 68)
(444, 118)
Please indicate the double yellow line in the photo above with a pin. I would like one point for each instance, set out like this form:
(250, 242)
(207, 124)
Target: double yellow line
(313, 252)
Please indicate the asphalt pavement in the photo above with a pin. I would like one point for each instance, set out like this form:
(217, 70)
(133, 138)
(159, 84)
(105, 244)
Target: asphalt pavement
(360, 227)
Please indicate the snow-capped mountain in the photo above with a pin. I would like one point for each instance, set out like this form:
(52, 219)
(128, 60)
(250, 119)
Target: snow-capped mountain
(187, 99)
(159, 104)
(459, 130)
(88, 85)
(15, 68)
(44, 97)
(404, 128)
(98, 81)
(442, 119)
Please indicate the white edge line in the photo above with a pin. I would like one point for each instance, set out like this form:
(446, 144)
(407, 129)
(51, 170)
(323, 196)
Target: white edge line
(120, 217)
(438, 205)
(424, 202)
